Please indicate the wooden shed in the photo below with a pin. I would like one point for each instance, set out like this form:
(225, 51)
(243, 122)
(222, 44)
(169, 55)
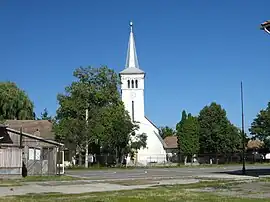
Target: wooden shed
(29, 152)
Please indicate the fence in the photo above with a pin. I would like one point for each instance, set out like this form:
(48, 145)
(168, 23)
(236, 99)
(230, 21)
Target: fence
(170, 159)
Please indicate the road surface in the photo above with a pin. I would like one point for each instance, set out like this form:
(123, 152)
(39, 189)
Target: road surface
(167, 172)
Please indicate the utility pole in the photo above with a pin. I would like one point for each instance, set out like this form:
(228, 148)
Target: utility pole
(86, 146)
(243, 131)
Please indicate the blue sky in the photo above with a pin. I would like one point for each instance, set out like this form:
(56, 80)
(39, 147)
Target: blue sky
(194, 52)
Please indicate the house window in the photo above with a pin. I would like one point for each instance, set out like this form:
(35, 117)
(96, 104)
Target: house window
(132, 84)
(136, 83)
(128, 82)
(31, 154)
(34, 154)
(37, 154)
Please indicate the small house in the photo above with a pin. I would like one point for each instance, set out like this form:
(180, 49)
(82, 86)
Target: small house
(27, 146)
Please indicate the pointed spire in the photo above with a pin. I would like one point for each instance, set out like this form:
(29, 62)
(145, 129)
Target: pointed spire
(132, 60)
(132, 65)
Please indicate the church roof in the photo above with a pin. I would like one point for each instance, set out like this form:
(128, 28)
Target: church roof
(132, 70)
(132, 64)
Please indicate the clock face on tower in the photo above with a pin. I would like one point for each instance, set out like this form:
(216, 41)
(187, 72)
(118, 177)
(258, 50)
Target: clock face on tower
(132, 94)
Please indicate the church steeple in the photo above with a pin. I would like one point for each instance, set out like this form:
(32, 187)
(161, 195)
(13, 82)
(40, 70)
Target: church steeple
(132, 64)
(132, 60)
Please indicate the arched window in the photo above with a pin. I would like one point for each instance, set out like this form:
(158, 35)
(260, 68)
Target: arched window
(132, 84)
(128, 83)
(136, 83)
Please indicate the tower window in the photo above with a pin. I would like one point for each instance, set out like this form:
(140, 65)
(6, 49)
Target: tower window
(128, 82)
(133, 111)
(132, 84)
(136, 83)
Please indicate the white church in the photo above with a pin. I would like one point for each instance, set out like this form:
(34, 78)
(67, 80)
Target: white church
(132, 87)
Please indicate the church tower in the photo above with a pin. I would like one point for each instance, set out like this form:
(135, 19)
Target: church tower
(132, 79)
(132, 87)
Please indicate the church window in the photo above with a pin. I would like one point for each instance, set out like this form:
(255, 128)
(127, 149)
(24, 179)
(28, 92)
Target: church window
(132, 84)
(136, 83)
(133, 111)
(128, 82)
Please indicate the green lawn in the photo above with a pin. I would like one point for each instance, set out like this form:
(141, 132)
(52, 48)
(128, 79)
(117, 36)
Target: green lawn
(150, 195)
(177, 193)
(18, 182)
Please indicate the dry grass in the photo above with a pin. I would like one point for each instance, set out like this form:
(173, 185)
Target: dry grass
(175, 193)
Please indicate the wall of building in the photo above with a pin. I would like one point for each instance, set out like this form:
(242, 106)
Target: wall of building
(10, 162)
(155, 152)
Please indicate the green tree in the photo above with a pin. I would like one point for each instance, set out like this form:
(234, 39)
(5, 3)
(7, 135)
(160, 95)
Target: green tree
(15, 103)
(108, 125)
(260, 127)
(188, 134)
(120, 136)
(179, 126)
(216, 133)
(45, 115)
(166, 131)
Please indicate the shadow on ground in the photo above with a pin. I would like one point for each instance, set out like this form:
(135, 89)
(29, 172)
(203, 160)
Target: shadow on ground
(249, 172)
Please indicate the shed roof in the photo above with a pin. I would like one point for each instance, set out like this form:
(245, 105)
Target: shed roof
(34, 137)
(31, 126)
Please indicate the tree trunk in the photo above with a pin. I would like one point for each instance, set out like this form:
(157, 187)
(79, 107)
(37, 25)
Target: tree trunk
(80, 158)
(185, 161)
(86, 155)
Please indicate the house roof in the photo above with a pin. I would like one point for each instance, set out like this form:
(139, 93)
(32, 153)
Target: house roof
(254, 144)
(31, 126)
(34, 137)
(171, 142)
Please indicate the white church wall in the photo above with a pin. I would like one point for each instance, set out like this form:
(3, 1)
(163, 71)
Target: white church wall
(155, 152)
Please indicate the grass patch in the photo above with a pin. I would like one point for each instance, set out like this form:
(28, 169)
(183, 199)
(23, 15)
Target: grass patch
(19, 182)
(159, 194)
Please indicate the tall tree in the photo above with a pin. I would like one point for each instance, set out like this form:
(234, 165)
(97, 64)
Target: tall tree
(179, 127)
(217, 134)
(108, 125)
(188, 135)
(15, 103)
(166, 131)
(260, 127)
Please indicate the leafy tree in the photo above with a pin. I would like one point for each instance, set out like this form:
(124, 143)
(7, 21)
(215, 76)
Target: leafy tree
(179, 127)
(166, 131)
(260, 127)
(120, 136)
(15, 103)
(108, 124)
(188, 134)
(45, 115)
(217, 134)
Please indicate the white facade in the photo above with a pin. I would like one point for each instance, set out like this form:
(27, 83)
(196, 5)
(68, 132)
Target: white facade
(132, 87)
